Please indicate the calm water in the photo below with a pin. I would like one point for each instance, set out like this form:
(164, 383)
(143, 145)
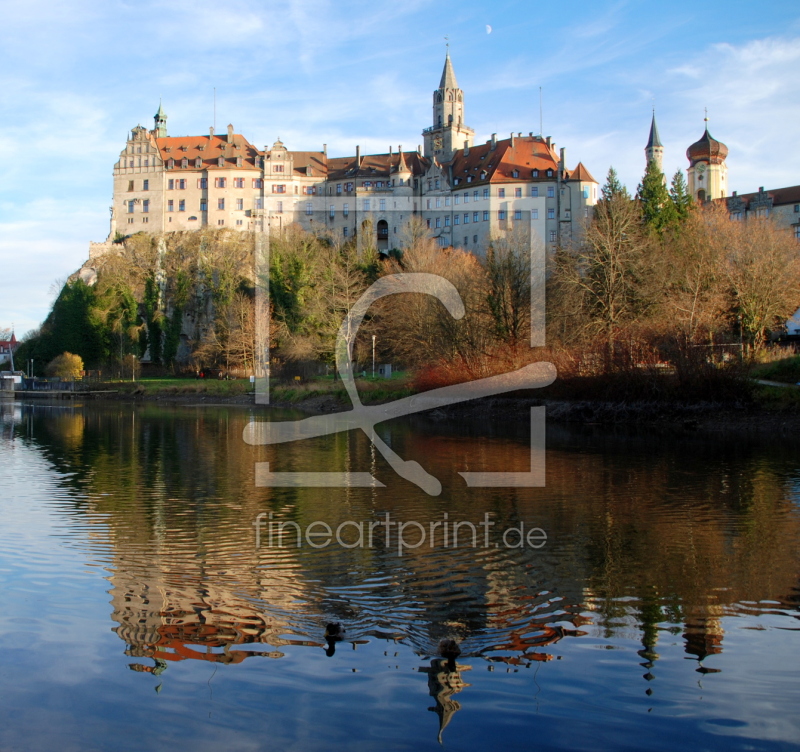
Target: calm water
(136, 611)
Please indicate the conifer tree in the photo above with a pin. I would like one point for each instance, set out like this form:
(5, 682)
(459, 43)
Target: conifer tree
(658, 211)
(679, 195)
(613, 186)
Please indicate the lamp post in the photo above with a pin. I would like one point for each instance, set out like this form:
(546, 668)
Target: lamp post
(373, 356)
(133, 368)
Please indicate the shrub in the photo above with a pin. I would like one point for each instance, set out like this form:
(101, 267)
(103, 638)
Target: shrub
(66, 366)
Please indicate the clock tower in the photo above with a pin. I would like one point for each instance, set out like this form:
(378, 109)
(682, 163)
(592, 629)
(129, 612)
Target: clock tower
(707, 174)
(448, 132)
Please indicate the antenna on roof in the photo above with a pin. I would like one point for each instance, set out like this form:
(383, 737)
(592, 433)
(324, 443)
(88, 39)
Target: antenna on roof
(705, 119)
(541, 127)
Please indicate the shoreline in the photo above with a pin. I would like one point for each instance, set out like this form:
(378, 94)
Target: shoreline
(709, 417)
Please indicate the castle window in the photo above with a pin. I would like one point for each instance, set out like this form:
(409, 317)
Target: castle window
(146, 162)
(474, 238)
(518, 193)
(238, 161)
(220, 203)
(203, 205)
(130, 207)
(535, 173)
(277, 168)
(552, 236)
(447, 221)
(170, 164)
(344, 231)
(428, 223)
(501, 214)
(220, 161)
(146, 205)
(534, 214)
(130, 185)
(145, 185)
(551, 192)
(551, 213)
(474, 195)
(469, 178)
(549, 173)
(220, 222)
(258, 183)
(457, 199)
(181, 184)
(447, 200)
(202, 183)
(239, 204)
(239, 222)
(170, 205)
(130, 163)
(501, 193)
(345, 209)
(366, 204)
(309, 208)
(383, 204)
(797, 208)
(486, 193)
(518, 214)
(436, 184)
(515, 174)
(438, 202)
(428, 203)
(145, 219)
(486, 216)
(259, 203)
(182, 205)
(171, 184)
(280, 207)
(338, 189)
(219, 182)
(466, 218)
(332, 211)
(238, 182)
(184, 163)
(456, 219)
(534, 191)
(438, 222)
(586, 193)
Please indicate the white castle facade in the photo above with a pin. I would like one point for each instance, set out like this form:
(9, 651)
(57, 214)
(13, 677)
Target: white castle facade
(467, 194)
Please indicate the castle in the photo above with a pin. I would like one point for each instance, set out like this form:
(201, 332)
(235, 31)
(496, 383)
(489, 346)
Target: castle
(466, 194)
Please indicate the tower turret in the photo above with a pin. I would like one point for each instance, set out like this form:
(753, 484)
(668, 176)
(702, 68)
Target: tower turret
(448, 132)
(654, 151)
(707, 176)
(161, 122)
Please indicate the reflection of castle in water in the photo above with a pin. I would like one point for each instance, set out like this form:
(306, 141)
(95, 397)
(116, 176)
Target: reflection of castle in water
(175, 495)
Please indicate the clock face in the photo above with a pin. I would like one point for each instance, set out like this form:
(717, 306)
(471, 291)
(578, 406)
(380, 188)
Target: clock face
(437, 142)
(701, 168)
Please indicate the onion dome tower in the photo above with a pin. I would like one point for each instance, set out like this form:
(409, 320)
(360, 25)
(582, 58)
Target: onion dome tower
(707, 173)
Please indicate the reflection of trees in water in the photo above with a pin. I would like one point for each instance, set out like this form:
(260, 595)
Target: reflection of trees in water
(643, 536)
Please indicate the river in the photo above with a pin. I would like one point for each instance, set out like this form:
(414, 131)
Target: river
(146, 601)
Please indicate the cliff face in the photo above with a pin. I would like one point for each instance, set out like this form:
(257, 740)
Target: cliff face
(175, 300)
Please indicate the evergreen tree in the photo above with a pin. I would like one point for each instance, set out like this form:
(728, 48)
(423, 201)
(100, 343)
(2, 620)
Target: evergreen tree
(658, 211)
(613, 186)
(679, 195)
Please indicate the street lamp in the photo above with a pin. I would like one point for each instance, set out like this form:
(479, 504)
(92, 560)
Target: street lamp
(373, 356)
(133, 368)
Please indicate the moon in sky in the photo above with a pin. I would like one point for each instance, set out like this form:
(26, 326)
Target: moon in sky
(488, 29)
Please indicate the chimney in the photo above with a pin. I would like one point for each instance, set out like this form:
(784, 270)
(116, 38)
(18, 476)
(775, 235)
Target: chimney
(735, 194)
(547, 141)
(466, 148)
(211, 132)
(494, 141)
(512, 139)
(325, 149)
(390, 151)
(358, 156)
(419, 149)
(230, 134)
(400, 149)
(563, 164)
(531, 134)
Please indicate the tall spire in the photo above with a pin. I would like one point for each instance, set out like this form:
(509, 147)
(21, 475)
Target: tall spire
(448, 74)
(654, 139)
(160, 119)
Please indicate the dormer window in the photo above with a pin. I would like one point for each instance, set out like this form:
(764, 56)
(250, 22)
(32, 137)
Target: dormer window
(184, 148)
(184, 163)
(515, 174)
(170, 164)
(469, 178)
(198, 163)
(483, 175)
(168, 149)
(535, 173)
(549, 173)
(238, 161)
(220, 161)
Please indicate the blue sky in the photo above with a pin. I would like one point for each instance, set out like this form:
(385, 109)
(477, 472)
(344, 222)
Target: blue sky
(78, 74)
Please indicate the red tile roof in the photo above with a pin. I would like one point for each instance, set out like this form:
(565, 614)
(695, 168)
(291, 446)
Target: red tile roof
(582, 174)
(209, 149)
(497, 165)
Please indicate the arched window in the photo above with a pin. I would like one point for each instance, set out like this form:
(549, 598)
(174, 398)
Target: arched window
(701, 195)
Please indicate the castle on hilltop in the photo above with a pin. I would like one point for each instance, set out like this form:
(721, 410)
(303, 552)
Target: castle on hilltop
(465, 193)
